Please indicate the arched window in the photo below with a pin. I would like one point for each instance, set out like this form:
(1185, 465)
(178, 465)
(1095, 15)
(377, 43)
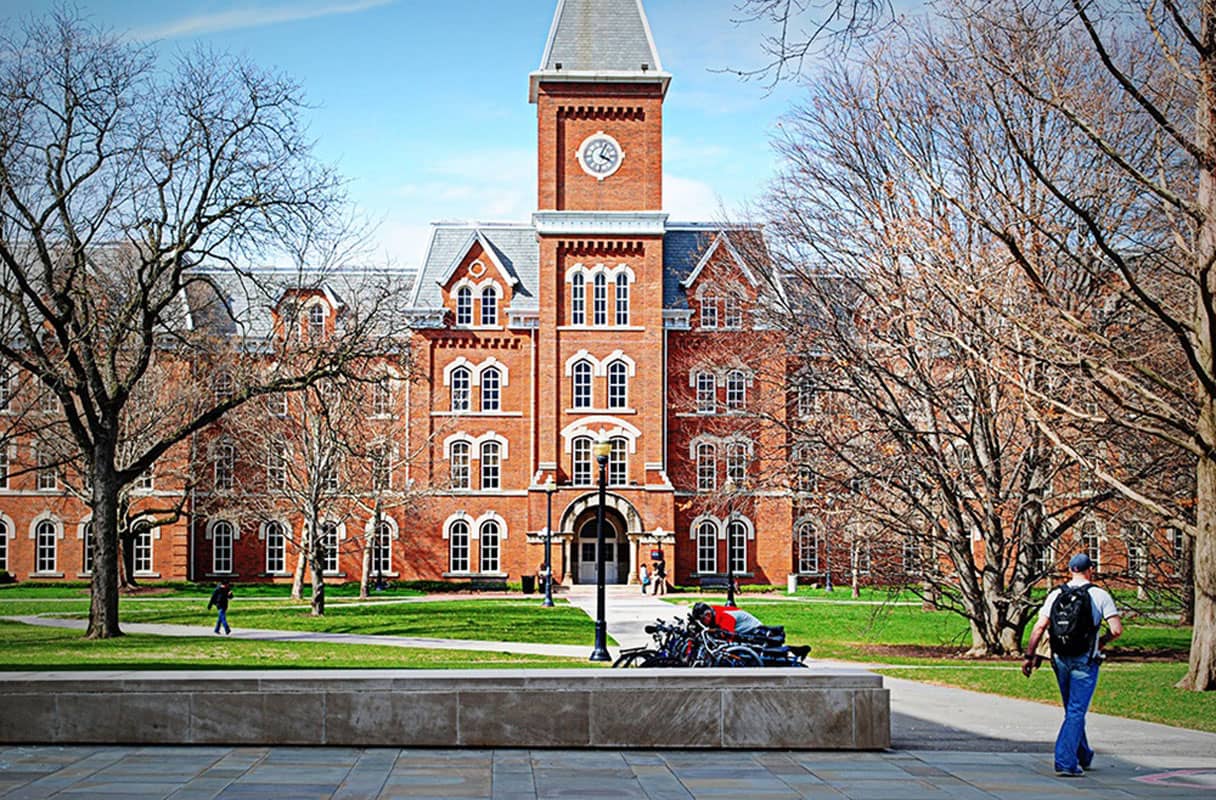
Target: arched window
(600, 299)
(707, 548)
(1091, 543)
(382, 549)
(491, 473)
(618, 385)
(582, 461)
(622, 299)
(276, 548)
(709, 311)
(491, 390)
(316, 322)
(618, 462)
(808, 548)
(461, 381)
(489, 306)
(328, 545)
(736, 462)
(707, 393)
(459, 459)
(464, 306)
(736, 390)
(488, 547)
(221, 547)
(3, 545)
(86, 559)
(225, 466)
(578, 299)
(142, 557)
(707, 467)
(582, 384)
(458, 546)
(736, 545)
(47, 538)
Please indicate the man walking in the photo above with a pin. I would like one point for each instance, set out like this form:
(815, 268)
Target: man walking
(219, 600)
(1072, 616)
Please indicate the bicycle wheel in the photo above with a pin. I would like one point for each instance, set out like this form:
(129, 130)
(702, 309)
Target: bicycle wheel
(738, 656)
(632, 659)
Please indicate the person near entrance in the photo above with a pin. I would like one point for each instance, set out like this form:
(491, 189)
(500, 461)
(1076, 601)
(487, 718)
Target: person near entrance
(660, 577)
(1072, 616)
(644, 578)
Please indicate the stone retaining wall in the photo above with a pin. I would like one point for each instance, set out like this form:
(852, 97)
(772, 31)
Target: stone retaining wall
(703, 708)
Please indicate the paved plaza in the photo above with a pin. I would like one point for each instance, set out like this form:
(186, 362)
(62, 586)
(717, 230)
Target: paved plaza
(946, 743)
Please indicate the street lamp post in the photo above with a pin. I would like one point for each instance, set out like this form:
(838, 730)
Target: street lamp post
(729, 488)
(602, 450)
(550, 488)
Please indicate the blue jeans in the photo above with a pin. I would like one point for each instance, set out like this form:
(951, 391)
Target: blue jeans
(1077, 677)
(222, 621)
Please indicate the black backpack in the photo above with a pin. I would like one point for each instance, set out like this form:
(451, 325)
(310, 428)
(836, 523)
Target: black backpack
(1072, 622)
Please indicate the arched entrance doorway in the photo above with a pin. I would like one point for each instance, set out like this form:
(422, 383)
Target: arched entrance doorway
(616, 550)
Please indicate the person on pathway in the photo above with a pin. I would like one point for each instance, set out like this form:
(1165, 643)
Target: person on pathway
(644, 577)
(219, 600)
(660, 577)
(1072, 616)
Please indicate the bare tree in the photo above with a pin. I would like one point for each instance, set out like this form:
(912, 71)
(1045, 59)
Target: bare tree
(130, 198)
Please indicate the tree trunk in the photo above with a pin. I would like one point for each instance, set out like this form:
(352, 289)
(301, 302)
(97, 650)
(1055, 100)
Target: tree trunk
(103, 604)
(317, 562)
(1201, 671)
(297, 577)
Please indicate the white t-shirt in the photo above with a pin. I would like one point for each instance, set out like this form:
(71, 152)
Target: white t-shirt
(1099, 599)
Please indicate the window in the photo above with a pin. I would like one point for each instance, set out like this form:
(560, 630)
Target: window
(221, 547)
(707, 468)
(328, 545)
(3, 545)
(382, 549)
(707, 392)
(86, 559)
(460, 465)
(622, 299)
(736, 462)
(276, 548)
(380, 467)
(316, 322)
(1178, 544)
(6, 387)
(276, 404)
(464, 306)
(1091, 543)
(600, 299)
(225, 466)
(1045, 562)
(48, 474)
(491, 390)
(46, 537)
(48, 402)
(911, 556)
(143, 483)
(707, 548)
(382, 398)
(709, 311)
(1136, 535)
(736, 390)
(458, 546)
(736, 545)
(460, 389)
(582, 384)
(3, 466)
(489, 546)
(222, 387)
(618, 384)
(808, 398)
(490, 472)
(808, 549)
(276, 466)
(142, 558)
(732, 312)
(618, 462)
(330, 474)
(582, 461)
(578, 299)
(861, 556)
(489, 306)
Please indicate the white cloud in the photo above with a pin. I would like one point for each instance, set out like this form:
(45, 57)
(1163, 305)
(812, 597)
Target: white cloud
(255, 17)
(688, 200)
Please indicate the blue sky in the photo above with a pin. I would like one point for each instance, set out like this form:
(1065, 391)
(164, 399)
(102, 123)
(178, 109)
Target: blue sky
(423, 105)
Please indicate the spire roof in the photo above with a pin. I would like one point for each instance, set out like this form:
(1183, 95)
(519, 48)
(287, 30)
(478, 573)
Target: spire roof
(600, 40)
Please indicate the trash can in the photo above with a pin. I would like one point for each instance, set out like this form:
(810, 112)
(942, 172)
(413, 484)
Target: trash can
(792, 583)
(529, 582)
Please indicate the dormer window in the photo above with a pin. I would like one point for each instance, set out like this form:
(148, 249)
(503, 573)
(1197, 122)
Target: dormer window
(464, 306)
(732, 312)
(489, 306)
(316, 322)
(709, 311)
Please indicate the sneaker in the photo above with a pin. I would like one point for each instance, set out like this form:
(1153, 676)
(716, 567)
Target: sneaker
(1076, 772)
(227, 632)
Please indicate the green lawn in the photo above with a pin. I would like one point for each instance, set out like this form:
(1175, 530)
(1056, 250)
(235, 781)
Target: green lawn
(28, 647)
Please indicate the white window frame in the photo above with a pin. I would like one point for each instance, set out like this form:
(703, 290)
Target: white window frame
(581, 392)
(142, 557)
(707, 467)
(316, 322)
(4, 545)
(458, 546)
(382, 549)
(489, 306)
(618, 462)
(46, 547)
(599, 300)
(578, 299)
(618, 385)
(622, 298)
(460, 458)
(736, 544)
(380, 466)
(737, 461)
(489, 546)
(86, 553)
(276, 466)
(709, 312)
(223, 535)
(707, 392)
(275, 535)
(808, 538)
(707, 547)
(491, 466)
(329, 540)
(736, 390)
(48, 474)
(224, 466)
(382, 398)
(462, 389)
(732, 312)
(583, 473)
(491, 390)
(223, 387)
(464, 307)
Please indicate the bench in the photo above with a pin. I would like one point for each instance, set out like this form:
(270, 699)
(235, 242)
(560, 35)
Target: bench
(714, 583)
(842, 709)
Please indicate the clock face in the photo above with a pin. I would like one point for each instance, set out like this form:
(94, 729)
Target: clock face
(600, 155)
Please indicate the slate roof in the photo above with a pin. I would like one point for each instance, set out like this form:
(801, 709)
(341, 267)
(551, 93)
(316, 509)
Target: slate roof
(514, 245)
(600, 36)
